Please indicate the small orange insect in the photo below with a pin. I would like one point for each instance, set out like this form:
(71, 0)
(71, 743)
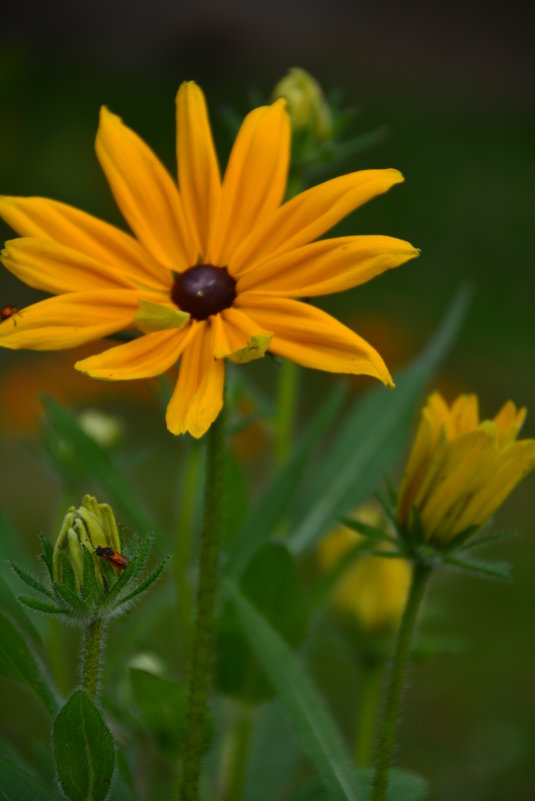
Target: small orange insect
(8, 311)
(114, 557)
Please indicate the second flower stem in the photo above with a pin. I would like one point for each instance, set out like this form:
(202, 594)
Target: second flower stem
(398, 668)
(202, 658)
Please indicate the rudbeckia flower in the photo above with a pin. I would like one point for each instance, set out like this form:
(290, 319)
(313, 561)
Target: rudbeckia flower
(215, 268)
(460, 470)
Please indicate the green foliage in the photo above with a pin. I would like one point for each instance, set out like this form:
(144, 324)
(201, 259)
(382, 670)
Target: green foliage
(16, 783)
(402, 786)
(84, 750)
(271, 585)
(305, 709)
(75, 454)
(18, 662)
(162, 706)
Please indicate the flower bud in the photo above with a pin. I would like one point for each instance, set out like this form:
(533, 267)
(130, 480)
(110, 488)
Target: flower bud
(460, 470)
(90, 526)
(307, 105)
(372, 590)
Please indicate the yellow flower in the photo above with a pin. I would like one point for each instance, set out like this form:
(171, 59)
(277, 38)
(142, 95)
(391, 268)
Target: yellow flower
(460, 470)
(372, 589)
(306, 102)
(214, 268)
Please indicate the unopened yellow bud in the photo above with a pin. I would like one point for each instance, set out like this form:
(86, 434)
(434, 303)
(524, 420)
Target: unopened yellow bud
(90, 526)
(307, 105)
(373, 590)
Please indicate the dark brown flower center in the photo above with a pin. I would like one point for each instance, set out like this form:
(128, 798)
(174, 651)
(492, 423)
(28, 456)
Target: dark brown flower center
(203, 290)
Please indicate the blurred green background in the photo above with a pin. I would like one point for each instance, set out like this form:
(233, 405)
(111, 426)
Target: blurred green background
(453, 88)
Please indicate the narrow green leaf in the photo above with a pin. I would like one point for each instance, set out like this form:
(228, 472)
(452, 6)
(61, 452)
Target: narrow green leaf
(84, 750)
(162, 704)
(95, 464)
(18, 785)
(304, 707)
(42, 606)
(31, 581)
(370, 440)
(263, 518)
(18, 662)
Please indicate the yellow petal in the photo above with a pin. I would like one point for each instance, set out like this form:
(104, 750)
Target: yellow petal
(153, 316)
(198, 395)
(145, 193)
(308, 215)
(198, 169)
(69, 320)
(255, 178)
(46, 265)
(311, 337)
(48, 219)
(465, 413)
(509, 421)
(330, 265)
(237, 337)
(144, 357)
(419, 458)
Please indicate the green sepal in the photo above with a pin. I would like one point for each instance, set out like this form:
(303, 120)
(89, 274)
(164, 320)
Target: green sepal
(41, 606)
(92, 589)
(78, 607)
(495, 570)
(491, 538)
(48, 555)
(67, 573)
(112, 596)
(146, 583)
(459, 540)
(142, 554)
(370, 532)
(31, 581)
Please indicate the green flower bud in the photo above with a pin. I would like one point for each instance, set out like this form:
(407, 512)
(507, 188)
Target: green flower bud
(91, 526)
(307, 105)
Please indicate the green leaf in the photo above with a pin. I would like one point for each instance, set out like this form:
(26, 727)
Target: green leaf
(263, 518)
(10, 604)
(16, 783)
(371, 439)
(162, 704)
(270, 582)
(304, 707)
(84, 750)
(93, 463)
(402, 786)
(17, 662)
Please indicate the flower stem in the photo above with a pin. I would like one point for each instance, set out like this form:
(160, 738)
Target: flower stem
(91, 656)
(389, 725)
(286, 405)
(372, 681)
(201, 664)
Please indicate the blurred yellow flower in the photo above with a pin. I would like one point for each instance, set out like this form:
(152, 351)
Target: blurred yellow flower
(460, 470)
(213, 270)
(306, 102)
(372, 589)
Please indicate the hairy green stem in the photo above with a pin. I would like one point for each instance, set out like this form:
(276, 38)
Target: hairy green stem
(203, 645)
(398, 667)
(182, 551)
(91, 656)
(372, 680)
